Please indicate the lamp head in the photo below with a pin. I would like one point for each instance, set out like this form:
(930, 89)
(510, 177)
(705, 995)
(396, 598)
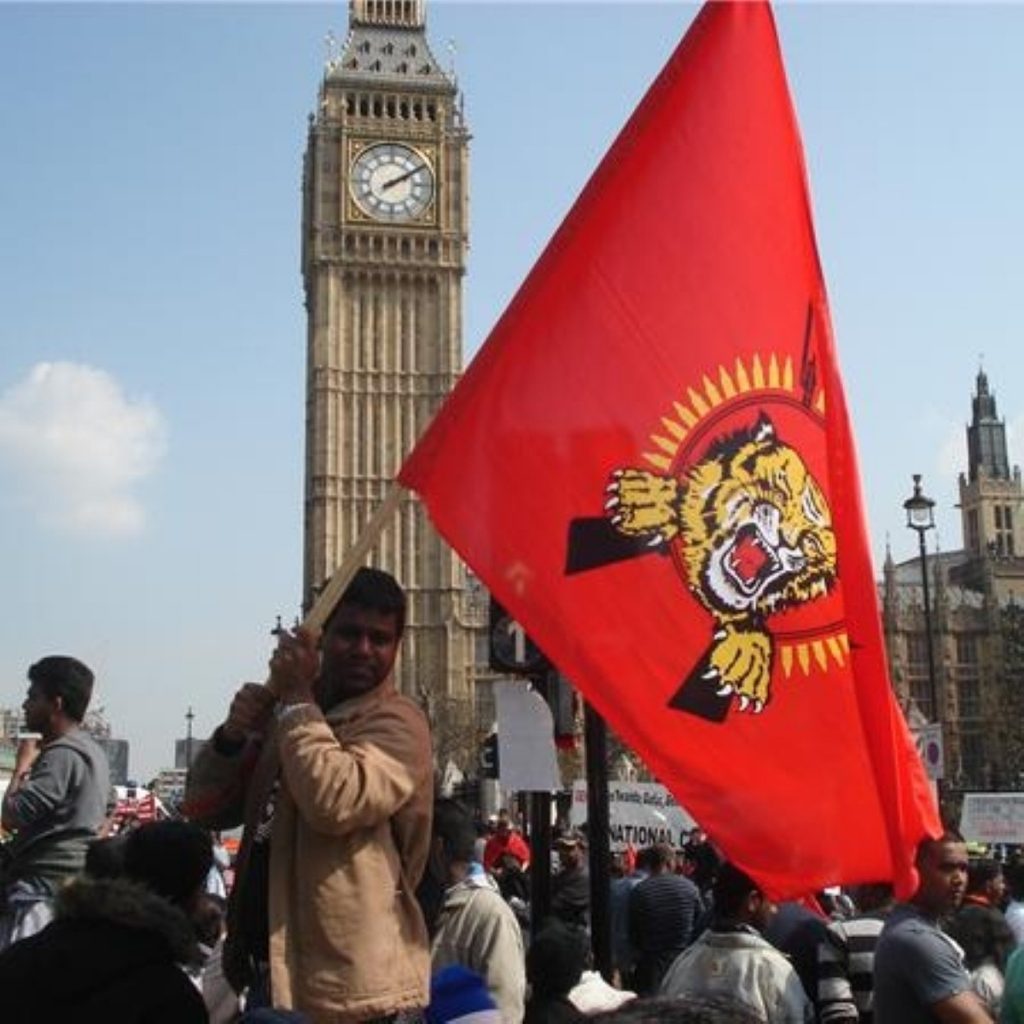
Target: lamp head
(920, 509)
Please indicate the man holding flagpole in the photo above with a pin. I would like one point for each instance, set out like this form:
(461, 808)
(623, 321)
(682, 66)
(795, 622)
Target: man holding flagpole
(329, 769)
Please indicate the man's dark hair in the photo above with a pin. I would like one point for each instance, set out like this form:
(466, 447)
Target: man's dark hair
(453, 825)
(659, 856)
(731, 889)
(928, 844)
(378, 591)
(981, 871)
(1015, 878)
(688, 1009)
(644, 858)
(869, 896)
(556, 958)
(62, 676)
(104, 858)
(208, 918)
(172, 858)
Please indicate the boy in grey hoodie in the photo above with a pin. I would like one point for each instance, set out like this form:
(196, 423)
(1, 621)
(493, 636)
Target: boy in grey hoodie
(57, 800)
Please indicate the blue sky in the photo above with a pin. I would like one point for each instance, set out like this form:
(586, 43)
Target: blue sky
(152, 336)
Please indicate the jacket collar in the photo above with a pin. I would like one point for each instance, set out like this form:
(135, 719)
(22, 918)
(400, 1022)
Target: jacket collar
(354, 707)
(974, 899)
(731, 935)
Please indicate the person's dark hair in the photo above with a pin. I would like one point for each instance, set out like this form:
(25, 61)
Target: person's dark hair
(1015, 878)
(643, 858)
(870, 896)
(104, 858)
(927, 844)
(556, 958)
(172, 858)
(453, 825)
(981, 871)
(208, 918)
(375, 590)
(660, 855)
(731, 889)
(272, 1015)
(717, 1009)
(508, 861)
(59, 675)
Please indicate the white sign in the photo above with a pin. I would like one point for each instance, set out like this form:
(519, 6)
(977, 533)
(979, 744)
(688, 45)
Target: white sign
(526, 739)
(639, 814)
(928, 739)
(993, 818)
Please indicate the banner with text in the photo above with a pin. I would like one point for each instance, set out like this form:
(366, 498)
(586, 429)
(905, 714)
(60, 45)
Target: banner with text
(993, 818)
(639, 814)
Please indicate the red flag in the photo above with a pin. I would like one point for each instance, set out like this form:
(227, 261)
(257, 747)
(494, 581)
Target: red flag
(146, 809)
(650, 464)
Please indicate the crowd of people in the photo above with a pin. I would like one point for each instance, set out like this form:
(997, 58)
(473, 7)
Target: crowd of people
(356, 896)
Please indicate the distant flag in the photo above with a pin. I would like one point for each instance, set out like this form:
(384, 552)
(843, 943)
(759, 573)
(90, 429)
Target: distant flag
(650, 465)
(148, 809)
(140, 805)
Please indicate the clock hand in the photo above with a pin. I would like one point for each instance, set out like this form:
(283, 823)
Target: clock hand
(402, 177)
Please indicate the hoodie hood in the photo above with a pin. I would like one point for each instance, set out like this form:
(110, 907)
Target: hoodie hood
(113, 953)
(458, 895)
(132, 906)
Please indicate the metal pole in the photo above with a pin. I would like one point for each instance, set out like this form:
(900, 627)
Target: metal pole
(540, 843)
(188, 738)
(596, 739)
(937, 715)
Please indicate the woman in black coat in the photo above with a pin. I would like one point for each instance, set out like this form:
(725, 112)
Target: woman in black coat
(117, 947)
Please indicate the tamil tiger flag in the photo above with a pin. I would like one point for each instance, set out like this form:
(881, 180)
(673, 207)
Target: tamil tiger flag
(650, 464)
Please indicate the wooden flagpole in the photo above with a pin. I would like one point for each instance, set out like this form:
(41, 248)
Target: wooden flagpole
(326, 600)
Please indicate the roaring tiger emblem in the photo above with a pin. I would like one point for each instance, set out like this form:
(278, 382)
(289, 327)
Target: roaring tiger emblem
(756, 538)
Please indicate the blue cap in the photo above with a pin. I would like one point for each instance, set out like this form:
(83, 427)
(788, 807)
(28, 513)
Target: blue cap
(459, 994)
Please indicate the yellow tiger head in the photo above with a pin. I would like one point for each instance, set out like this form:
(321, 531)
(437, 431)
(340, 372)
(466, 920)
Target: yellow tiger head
(756, 528)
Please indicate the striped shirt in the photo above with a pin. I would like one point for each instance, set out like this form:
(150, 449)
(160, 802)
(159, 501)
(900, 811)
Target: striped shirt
(845, 964)
(663, 914)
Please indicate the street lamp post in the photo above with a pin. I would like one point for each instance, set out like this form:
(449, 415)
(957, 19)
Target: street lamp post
(188, 738)
(921, 518)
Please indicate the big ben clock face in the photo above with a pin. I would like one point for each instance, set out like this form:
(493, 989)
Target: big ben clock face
(392, 182)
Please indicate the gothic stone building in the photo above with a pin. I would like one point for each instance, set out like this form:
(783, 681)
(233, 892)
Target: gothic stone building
(977, 598)
(384, 239)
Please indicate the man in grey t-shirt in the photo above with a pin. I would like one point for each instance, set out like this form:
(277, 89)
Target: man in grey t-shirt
(919, 971)
(57, 800)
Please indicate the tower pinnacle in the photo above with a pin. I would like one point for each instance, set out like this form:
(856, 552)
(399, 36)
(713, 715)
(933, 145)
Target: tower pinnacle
(387, 13)
(986, 435)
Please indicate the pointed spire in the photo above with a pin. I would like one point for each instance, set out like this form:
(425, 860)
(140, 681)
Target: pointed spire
(986, 435)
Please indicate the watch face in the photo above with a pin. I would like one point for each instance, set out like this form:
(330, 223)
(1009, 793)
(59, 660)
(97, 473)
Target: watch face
(392, 182)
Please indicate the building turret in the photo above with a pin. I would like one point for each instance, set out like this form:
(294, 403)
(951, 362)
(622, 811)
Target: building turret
(990, 495)
(986, 436)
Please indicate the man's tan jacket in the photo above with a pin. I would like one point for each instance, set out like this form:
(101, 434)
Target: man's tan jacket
(349, 843)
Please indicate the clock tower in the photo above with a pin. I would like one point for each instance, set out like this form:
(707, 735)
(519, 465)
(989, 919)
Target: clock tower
(384, 237)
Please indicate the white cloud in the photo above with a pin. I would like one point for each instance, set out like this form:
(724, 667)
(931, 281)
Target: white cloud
(76, 446)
